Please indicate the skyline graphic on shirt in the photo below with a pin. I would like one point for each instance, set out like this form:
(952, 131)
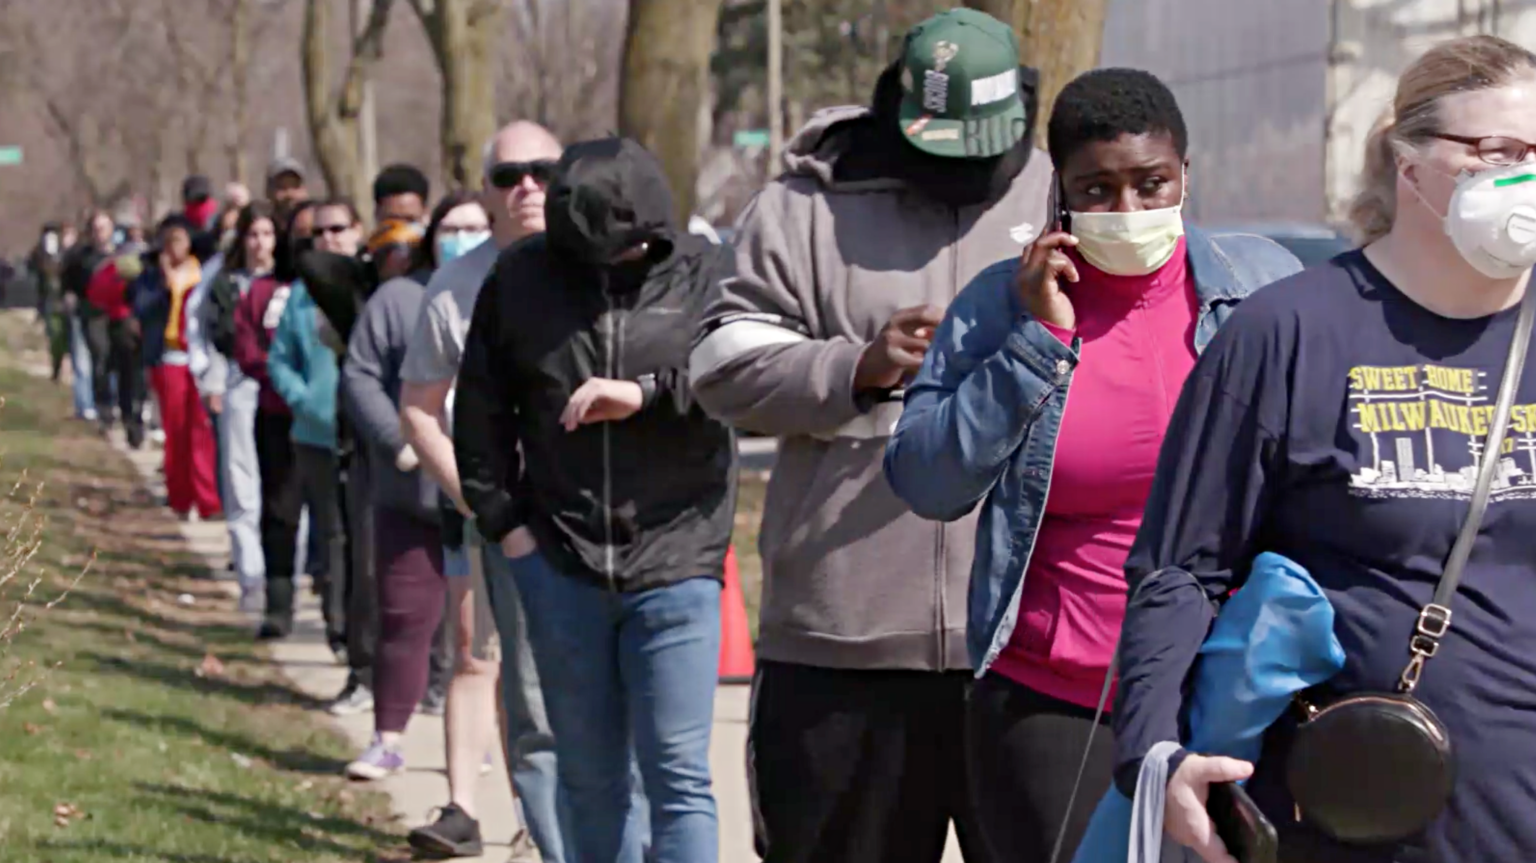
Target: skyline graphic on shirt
(1425, 427)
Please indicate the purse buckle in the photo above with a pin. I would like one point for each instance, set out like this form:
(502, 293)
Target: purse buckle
(1434, 621)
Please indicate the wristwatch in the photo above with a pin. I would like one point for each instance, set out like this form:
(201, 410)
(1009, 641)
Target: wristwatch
(647, 384)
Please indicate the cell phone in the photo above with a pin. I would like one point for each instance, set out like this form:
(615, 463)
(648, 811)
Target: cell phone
(1247, 833)
(1056, 206)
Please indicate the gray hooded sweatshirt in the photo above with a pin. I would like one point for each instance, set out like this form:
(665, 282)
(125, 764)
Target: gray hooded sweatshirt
(370, 388)
(852, 579)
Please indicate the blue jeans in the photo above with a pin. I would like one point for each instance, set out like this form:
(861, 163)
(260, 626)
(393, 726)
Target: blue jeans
(530, 743)
(629, 677)
(80, 369)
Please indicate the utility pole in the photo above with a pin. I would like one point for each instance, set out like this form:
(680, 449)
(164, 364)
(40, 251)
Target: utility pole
(775, 84)
(367, 125)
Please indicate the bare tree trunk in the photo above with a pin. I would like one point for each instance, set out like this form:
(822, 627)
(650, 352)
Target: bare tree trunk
(665, 80)
(1061, 38)
(1002, 10)
(240, 75)
(463, 36)
(333, 120)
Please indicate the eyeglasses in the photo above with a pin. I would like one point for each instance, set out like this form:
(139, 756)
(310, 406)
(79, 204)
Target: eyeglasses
(509, 175)
(332, 229)
(1494, 149)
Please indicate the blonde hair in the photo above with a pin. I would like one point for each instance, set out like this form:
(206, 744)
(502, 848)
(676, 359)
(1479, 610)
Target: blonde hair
(1462, 65)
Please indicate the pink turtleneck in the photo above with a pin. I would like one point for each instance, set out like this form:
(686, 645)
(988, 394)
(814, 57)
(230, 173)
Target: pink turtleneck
(1137, 348)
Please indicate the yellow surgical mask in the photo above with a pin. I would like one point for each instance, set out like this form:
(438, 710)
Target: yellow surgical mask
(1129, 244)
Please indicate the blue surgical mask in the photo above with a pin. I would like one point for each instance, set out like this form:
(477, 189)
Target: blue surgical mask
(456, 245)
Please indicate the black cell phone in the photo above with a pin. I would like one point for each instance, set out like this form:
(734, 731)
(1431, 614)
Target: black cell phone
(1247, 833)
(1056, 207)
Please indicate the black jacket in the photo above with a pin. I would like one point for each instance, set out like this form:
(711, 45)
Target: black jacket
(80, 263)
(634, 504)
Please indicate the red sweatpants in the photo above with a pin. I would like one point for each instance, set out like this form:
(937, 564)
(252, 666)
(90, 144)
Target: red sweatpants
(191, 459)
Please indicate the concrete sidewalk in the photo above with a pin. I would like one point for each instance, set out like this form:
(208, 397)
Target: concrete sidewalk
(308, 662)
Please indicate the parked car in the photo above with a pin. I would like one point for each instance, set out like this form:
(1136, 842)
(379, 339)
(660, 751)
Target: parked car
(1311, 243)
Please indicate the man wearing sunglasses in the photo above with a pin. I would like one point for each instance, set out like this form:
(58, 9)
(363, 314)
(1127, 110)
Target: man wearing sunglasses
(519, 163)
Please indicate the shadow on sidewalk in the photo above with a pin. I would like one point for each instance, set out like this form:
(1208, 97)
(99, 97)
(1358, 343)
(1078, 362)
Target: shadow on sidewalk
(281, 825)
(101, 849)
(177, 677)
(294, 760)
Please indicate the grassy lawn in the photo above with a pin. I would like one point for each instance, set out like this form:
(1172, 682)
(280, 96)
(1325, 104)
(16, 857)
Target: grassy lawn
(752, 485)
(163, 734)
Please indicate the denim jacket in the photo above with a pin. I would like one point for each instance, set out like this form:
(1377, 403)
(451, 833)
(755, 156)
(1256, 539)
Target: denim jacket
(982, 416)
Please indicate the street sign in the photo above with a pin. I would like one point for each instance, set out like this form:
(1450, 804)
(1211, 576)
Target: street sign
(10, 155)
(747, 138)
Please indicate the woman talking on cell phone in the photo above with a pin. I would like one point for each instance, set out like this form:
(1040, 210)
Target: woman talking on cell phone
(1342, 419)
(1043, 399)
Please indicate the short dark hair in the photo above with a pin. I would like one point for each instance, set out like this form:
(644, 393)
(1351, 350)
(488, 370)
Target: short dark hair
(196, 188)
(400, 179)
(174, 222)
(1104, 104)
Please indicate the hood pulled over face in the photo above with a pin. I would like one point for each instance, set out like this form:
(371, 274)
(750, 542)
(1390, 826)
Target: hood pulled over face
(610, 195)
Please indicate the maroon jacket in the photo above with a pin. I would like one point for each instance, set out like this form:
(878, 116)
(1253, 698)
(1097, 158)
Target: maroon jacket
(256, 318)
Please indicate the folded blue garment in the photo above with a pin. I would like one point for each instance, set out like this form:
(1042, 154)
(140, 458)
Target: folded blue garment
(1272, 639)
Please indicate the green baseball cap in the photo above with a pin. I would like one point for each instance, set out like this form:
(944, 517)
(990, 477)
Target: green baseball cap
(960, 86)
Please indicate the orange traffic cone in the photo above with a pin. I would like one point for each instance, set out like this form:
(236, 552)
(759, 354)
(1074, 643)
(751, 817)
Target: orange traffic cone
(736, 660)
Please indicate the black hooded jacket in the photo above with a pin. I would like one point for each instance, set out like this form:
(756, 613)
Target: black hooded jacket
(633, 504)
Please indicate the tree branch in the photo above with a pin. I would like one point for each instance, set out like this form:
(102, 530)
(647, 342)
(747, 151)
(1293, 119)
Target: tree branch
(367, 48)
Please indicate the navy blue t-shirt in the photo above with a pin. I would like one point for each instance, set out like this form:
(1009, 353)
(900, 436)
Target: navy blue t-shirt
(1338, 423)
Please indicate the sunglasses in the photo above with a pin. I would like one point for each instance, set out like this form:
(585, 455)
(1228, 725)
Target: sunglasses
(332, 229)
(509, 175)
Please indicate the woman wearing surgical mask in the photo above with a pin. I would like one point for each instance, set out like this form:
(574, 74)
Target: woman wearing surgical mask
(1044, 400)
(1339, 420)
(407, 537)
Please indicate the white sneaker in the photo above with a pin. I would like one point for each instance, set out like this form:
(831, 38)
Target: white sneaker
(353, 700)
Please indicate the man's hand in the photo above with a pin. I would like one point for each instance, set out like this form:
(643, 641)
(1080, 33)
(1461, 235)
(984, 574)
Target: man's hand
(216, 404)
(1184, 817)
(899, 348)
(70, 303)
(601, 400)
(1039, 280)
(518, 543)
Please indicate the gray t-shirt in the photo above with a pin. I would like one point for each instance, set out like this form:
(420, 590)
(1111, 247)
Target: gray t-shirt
(434, 350)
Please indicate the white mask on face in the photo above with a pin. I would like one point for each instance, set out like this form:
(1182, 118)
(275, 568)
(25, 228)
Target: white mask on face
(1491, 219)
(1129, 244)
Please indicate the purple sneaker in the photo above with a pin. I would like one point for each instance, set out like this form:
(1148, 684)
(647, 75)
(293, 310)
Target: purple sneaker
(377, 762)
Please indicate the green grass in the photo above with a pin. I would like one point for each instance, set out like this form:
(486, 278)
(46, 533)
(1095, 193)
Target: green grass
(136, 747)
(751, 488)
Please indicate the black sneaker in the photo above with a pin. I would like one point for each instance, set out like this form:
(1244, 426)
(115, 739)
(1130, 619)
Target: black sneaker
(453, 834)
(274, 628)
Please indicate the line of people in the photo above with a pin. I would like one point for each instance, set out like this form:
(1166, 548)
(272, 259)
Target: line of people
(517, 416)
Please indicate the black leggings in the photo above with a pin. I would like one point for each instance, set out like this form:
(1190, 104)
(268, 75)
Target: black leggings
(1023, 750)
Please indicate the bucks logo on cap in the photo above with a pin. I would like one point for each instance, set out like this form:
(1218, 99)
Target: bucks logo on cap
(960, 86)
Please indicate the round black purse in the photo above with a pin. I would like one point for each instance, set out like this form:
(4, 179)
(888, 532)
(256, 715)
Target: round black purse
(1378, 767)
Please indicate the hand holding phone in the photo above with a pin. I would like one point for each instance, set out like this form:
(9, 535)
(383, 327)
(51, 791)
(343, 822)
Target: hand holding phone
(1248, 835)
(1044, 267)
(1186, 817)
